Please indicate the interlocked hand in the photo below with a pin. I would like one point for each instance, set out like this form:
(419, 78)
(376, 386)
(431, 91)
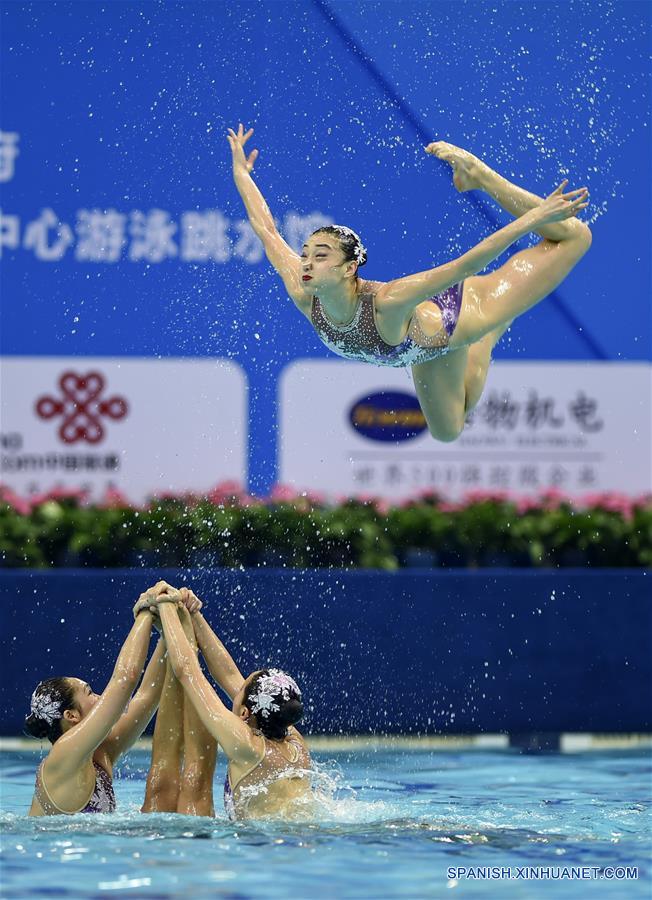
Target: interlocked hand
(190, 600)
(160, 593)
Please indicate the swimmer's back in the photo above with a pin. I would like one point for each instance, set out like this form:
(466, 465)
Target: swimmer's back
(278, 784)
(95, 785)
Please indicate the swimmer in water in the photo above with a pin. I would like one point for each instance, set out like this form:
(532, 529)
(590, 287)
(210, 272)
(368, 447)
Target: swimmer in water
(90, 731)
(268, 760)
(442, 322)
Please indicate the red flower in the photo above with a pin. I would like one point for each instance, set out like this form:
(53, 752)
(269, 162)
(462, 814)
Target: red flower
(282, 493)
(114, 499)
(22, 506)
(228, 493)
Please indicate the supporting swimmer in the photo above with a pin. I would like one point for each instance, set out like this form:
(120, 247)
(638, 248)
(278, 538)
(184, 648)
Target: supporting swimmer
(269, 763)
(89, 731)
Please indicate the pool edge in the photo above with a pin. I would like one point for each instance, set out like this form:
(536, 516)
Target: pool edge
(568, 742)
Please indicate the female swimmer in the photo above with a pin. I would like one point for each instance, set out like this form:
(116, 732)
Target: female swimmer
(268, 761)
(443, 322)
(88, 732)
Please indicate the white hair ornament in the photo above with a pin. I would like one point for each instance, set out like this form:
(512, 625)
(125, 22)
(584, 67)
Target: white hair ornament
(45, 706)
(359, 249)
(270, 688)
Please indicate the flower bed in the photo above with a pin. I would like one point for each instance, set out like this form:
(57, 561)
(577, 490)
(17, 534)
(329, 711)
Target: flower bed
(228, 527)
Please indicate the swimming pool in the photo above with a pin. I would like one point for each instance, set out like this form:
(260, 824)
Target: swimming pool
(392, 823)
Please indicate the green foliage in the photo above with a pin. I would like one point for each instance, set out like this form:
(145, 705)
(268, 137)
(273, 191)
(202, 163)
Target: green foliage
(639, 539)
(239, 531)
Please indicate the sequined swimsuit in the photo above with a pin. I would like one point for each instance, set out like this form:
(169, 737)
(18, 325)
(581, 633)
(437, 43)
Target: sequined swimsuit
(235, 797)
(102, 800)
(360, 339)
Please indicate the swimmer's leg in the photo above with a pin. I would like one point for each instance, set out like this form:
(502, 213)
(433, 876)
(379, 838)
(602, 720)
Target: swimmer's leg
(517, 201)
(200, 756)
(471, 173)
(200, 753)
(164, 776)
(441, 391)
(450, 387)
(492, 301)
(477, 367)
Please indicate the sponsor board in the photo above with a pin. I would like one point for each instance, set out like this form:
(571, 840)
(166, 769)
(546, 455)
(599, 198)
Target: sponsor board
(351, 428)
(142, 426)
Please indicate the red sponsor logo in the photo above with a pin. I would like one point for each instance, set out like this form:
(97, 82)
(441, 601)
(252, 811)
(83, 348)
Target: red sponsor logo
(82, 407)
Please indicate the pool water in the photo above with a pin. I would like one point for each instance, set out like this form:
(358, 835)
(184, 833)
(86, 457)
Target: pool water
(390, 824)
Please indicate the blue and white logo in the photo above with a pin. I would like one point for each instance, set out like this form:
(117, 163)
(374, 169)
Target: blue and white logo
(387, 416)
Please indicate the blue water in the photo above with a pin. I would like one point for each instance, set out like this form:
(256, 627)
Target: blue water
(390, 825)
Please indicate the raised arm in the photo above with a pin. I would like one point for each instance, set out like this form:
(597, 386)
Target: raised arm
(286, 262)
(232, 733)
(404, 294)
(80, 741)
(135, 720)
(218, 659)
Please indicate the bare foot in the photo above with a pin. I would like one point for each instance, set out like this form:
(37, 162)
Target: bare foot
(466, 167)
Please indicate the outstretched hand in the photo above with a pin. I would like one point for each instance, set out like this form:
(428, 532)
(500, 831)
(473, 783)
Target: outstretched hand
(241, 163)
(559, 206)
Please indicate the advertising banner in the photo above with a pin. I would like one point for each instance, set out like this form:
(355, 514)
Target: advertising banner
(141, 426)
(350, 428)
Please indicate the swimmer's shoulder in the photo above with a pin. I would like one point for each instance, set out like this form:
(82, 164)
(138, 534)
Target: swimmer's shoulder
(371, 289)
(298, 738)
(303, 300)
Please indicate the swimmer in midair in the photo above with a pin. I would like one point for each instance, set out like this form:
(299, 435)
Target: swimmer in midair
(442, 322)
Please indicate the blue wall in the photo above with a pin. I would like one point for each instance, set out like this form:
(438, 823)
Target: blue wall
(343, 96)
(446, 652)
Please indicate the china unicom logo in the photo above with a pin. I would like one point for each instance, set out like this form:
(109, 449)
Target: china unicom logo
(81, 407)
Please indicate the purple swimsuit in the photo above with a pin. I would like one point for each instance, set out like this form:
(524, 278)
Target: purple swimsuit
(229, 803)
(277, 767)
(102, 800)
(360, 339)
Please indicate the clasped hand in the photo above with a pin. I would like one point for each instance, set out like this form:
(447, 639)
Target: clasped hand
(162, 592)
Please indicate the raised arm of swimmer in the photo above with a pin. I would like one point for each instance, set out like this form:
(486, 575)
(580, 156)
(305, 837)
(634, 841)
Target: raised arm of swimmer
(94, 728)
(142, 707)
(268, 760)
(218, 659)
(286, 262)
(233, 734)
